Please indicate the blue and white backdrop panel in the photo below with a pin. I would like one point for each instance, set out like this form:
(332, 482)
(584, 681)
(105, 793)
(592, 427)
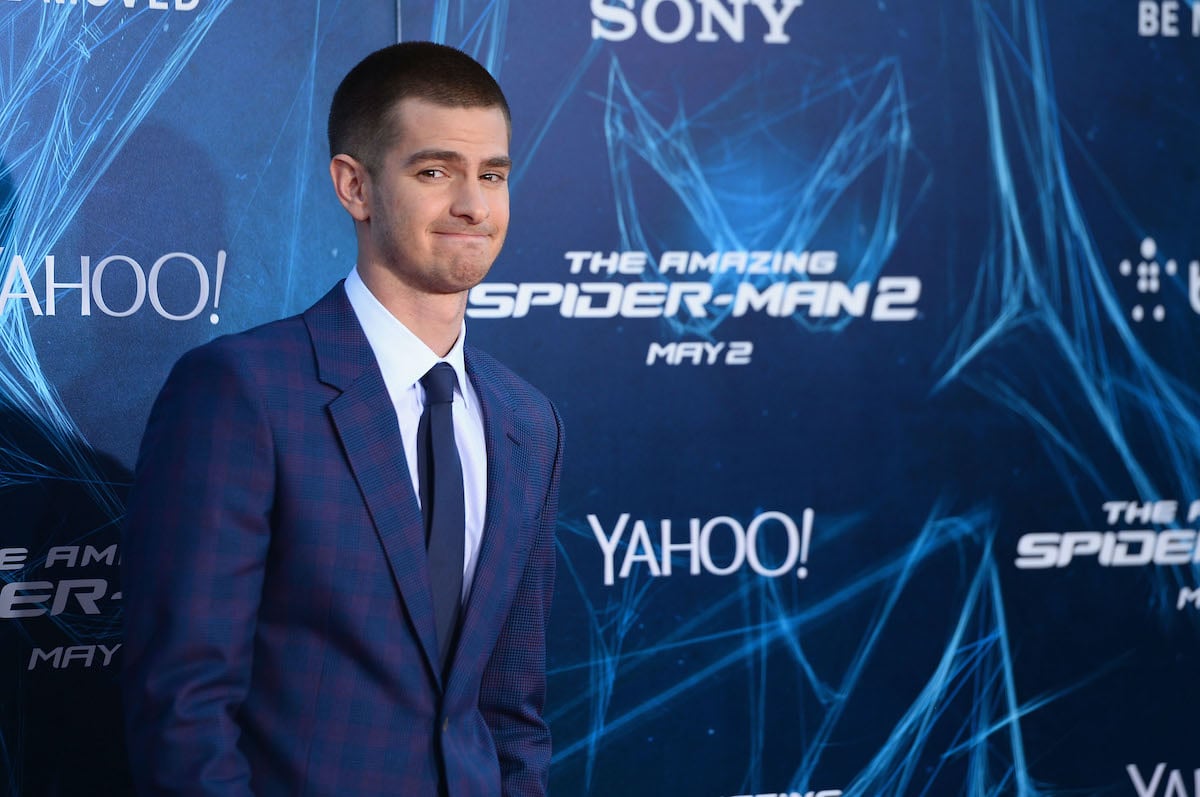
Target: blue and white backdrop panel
(870, 324)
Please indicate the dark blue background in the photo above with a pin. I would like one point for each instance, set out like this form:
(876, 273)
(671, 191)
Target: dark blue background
(1031, 149)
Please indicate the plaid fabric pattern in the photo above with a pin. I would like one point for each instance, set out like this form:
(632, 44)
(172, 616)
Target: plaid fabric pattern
(279, 626)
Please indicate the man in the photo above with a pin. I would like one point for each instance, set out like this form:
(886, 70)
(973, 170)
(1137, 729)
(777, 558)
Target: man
(288, 630)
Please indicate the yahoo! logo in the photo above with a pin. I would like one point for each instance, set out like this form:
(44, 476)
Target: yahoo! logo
(101, 283)
(720, 546)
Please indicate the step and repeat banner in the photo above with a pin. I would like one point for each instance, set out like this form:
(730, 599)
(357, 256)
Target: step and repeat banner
(872, 325)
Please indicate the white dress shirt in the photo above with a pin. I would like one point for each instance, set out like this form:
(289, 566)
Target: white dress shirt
(404, 359)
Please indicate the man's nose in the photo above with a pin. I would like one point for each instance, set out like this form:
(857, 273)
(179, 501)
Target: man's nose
(470, 203)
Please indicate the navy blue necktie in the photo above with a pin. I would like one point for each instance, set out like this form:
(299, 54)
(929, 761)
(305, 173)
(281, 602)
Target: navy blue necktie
(439, 473)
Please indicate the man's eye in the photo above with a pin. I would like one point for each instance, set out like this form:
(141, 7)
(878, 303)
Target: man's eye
(493, 177)
(432, 173)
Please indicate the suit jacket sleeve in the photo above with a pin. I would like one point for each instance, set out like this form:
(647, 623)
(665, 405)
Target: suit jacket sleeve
(193, 552)
(513, 689)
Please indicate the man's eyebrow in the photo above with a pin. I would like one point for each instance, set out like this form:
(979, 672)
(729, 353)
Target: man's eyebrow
(423, 155)
(452, 156)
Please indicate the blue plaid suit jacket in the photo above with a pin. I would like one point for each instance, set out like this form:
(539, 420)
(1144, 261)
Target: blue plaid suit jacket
(279, 627)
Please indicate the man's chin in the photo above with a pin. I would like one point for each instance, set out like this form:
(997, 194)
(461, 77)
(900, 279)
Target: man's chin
(463, 278)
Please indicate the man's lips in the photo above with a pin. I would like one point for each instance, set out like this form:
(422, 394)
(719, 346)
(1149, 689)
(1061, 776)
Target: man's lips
(477, 232)
(465, 235)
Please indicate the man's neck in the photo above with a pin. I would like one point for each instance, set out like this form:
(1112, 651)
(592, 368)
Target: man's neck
(435, 319)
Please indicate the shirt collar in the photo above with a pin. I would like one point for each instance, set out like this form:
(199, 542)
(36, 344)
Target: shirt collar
(399, 351)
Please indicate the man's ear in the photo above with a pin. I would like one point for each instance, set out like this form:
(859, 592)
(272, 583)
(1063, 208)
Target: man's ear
(352, 184)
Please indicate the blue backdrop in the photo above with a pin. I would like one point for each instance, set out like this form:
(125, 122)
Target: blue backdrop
(868, 322)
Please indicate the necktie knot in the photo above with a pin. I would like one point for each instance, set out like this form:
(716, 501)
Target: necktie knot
(439, 382)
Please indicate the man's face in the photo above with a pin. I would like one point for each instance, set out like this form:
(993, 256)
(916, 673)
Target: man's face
(439, 197)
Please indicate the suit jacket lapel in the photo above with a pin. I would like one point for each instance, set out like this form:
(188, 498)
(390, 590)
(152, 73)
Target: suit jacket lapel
(503, 550)
(365, 421)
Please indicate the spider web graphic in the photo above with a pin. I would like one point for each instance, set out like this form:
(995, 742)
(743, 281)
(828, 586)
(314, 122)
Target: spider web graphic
(75, 83)
(1042, 282)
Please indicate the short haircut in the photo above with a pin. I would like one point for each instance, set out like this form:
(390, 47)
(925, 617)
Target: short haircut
(361, 122)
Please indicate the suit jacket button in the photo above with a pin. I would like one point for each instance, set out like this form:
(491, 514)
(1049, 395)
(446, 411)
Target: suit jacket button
(445, 724)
